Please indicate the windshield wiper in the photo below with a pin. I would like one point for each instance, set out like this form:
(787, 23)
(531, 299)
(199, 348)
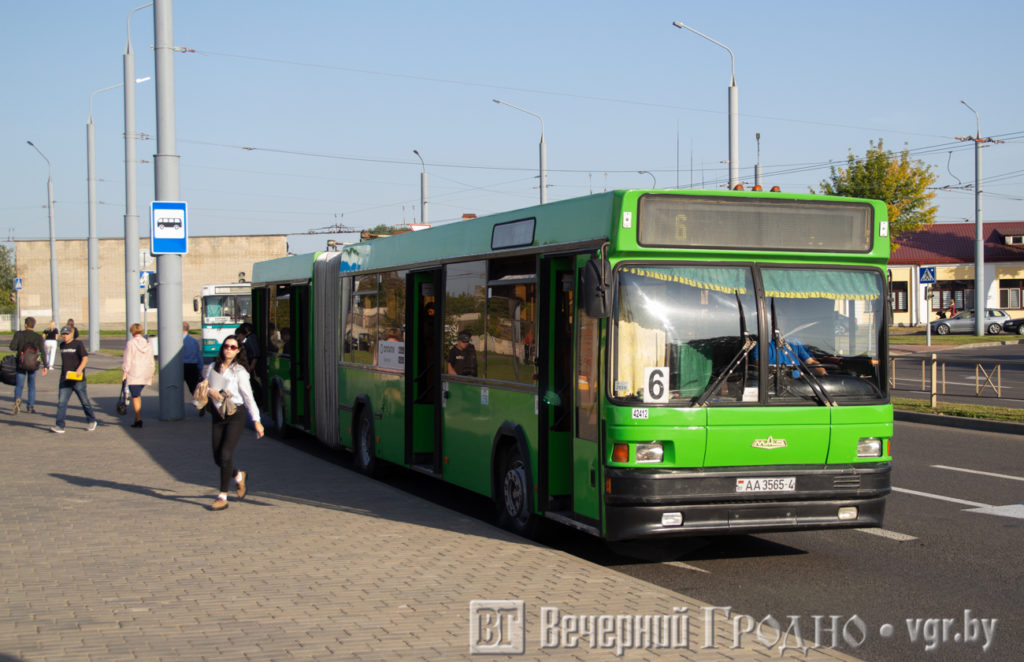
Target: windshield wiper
(748, 345)
(812, 380)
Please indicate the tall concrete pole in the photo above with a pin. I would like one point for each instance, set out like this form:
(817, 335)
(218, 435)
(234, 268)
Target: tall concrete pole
(169, 314)
(93, 244)
(423, 189)
(734, 122)
(131, 214)
(54, 284)
(979, 236)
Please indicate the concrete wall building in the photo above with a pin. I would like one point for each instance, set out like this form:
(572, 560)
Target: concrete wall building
(224, 259)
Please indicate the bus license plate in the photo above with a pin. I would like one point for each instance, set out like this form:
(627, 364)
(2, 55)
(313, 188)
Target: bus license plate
(787, 484)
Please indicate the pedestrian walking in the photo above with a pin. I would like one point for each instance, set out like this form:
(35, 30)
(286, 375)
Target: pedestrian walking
(137, 368)
(192, 358)
(74, 329)
(73, 359)
(229, 390)
(28, 349)
(50, 344)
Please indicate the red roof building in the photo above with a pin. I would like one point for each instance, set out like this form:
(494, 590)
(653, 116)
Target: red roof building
(949, 248)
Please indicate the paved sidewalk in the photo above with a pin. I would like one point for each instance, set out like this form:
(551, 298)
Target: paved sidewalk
(108, 552)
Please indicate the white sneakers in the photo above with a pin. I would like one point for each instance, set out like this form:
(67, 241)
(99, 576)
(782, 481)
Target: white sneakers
(89, 428)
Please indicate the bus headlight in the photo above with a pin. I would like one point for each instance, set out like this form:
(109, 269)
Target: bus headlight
(648, 453)
(869, 447)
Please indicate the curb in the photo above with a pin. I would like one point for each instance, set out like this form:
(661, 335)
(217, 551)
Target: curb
(960, 422)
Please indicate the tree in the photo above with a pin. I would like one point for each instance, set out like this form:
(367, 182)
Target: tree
(6, 279)
(895, 179)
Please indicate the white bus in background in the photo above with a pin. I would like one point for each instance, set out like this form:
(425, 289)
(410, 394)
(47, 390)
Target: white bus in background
(222, 308)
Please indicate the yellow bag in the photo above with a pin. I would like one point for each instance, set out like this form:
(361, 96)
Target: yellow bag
(74, 376)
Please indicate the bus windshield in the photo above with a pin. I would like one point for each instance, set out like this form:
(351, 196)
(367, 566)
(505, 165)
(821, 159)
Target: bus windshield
(226, 307)
(690, 335)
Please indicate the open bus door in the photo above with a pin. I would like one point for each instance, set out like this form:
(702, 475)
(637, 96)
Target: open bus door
(423, 372)
(569, 462)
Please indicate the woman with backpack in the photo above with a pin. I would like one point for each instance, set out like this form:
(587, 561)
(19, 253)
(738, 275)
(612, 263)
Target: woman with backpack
(28, 347)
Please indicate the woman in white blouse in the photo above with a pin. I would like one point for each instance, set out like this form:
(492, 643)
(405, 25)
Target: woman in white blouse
(229, 390)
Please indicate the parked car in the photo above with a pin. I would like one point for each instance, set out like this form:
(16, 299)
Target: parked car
(1014, 326)
(963, 322)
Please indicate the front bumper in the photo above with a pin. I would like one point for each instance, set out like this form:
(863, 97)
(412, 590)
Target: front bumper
(707, 501)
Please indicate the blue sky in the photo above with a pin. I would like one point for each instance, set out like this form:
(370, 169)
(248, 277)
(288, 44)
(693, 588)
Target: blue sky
(335, 95)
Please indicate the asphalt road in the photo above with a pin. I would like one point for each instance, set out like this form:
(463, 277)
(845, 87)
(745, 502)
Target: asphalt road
(951, 543)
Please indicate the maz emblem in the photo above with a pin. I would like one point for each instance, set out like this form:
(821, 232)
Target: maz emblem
(769, 443)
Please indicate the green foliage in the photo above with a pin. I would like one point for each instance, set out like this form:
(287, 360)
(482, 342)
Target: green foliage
(7, 275)
(383, 228)
(895, 179)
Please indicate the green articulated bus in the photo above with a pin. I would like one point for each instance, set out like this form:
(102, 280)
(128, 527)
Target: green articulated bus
(633, 363)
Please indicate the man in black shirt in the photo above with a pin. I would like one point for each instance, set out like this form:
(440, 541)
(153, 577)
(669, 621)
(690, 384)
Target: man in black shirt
(462, 356)
(74, 357)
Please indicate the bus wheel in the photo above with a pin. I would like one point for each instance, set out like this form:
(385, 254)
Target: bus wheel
(514, 512)
(362, 448)
(277, 412)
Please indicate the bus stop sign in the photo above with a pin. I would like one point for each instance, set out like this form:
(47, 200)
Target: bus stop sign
(927, 275)
(168, 228)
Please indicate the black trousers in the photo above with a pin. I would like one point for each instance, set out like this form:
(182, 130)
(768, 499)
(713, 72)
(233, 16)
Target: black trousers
(226, 434)
(192, 375)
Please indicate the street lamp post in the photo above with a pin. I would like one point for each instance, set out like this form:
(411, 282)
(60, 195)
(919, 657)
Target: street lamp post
(54, 288)
(543, 150)
(423, 189)
(94, 260)
(131, 215)
(979, 237)
(734, 124)
(654, 181)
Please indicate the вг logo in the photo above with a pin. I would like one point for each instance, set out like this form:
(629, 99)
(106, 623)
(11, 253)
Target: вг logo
(497, 627)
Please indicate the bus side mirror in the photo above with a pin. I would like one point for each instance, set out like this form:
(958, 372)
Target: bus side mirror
(195, 304)
(597, 288)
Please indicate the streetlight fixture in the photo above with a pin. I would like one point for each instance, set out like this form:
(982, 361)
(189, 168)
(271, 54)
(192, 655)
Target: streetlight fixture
(734, 125)
(131, 216)
(654, 182)
(423, 189)
(979, 237)
(54, 287)
(543, 150)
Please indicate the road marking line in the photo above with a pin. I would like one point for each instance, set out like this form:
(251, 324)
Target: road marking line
(892, 535)
(973, 504)
(687, 566)
(1015, 510)
(980, 473)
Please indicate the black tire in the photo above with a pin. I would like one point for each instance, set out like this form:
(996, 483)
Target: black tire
(1020, 330)
(942, 329)
(514, 502)
(363, 452)
(994, 329)
(277, 417)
